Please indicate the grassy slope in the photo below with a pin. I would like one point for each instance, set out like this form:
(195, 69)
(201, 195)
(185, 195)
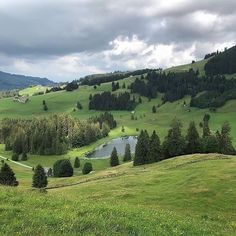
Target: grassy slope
(64, 102)
(191, 195)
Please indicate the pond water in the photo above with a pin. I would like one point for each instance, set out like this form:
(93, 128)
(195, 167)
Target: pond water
(105, 150)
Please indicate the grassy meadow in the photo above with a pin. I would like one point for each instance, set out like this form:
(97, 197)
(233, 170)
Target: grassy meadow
(190, 195)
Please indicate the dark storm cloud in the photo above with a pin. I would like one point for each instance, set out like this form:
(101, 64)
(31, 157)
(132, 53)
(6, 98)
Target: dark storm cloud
(48, 29)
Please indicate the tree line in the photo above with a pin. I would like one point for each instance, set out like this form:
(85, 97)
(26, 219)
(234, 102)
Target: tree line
(52, 135)
(149, 148)
(107, 101)
(175, 86)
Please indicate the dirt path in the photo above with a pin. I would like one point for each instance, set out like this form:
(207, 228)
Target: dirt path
(15, 162)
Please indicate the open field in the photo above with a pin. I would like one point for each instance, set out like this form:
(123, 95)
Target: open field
(190, 195)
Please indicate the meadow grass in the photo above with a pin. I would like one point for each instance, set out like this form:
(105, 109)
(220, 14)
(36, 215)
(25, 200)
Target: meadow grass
(189, 195)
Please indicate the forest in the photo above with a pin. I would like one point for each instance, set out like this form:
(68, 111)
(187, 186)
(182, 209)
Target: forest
(52, 135)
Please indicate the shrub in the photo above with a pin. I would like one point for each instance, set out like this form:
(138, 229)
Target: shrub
(87, 168)
(39, 178)
(24, 157)
(15, 157)
(63, 168)
(7, 176)
(77, 163)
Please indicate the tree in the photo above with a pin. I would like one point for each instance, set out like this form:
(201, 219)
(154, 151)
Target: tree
(174, 143)
(15, 157)
(24, 156)
(79, 106)
(209, 144)
(225, 141)
(193, 140)
(154, 110)
(63, 168)
(127, 156)
(87, 168)
(114, 160)
(141, 149)
(77, 163)
(39, 178)
(206, 129)
(105, 129)
(154, 153)
(7, 176)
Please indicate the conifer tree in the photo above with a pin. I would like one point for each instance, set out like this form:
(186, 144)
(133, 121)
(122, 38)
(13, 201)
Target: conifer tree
(114, 160)
(225, 141)
(77, 163)
(154, 153)
(193, 140)
(39, 178)
(24, 157)
(141, 149)
(15, 157)
(154, 110)
(174, 143)
(127, 156)
(206, 129)
(7, 176)
(87, 168)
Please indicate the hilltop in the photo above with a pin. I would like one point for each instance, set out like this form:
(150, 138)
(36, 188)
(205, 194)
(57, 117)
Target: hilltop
(13, 81)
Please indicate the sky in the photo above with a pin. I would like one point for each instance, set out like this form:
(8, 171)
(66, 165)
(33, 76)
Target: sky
(67, 39)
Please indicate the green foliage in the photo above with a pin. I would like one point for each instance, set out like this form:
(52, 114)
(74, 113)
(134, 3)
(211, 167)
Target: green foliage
(154, 109)
(193, 144)
(209, 144)
(114, 160)
(174, 143)
(39, 178)
(155, 151)
(15, 157)
(127, 156)
(87, 168)
(24, 156)
(79, 106)
(7, 176)
(142, 149)
(77, 163)
(63, 168)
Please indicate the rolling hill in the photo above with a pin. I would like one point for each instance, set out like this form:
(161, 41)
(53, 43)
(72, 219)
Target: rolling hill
(188, 195)
(13, 81)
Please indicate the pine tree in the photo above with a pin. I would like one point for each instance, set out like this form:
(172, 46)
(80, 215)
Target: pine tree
(193, 140)
(39, 178)
(141, 149)
(225, 141)
(77, 163)
(63, 168)
(154, 110)
(174, 143)
(127, 156)
(206, 129)
(114, 160)
(87, 168)
(154, 153)
(7, 176)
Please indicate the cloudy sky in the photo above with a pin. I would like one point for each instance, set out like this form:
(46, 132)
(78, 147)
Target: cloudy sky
(66, 39)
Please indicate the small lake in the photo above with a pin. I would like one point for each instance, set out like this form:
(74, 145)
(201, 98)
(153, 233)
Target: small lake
(105, 150)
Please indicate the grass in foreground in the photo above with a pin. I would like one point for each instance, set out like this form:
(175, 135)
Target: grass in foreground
(190, 195)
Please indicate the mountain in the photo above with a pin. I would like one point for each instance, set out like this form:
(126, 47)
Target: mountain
(12, 81)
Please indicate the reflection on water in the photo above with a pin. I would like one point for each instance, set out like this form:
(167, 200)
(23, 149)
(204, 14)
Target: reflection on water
(105, 150)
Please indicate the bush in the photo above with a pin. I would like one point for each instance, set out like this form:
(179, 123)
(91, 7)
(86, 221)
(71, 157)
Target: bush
(7, 176)
(77, 163)
(24, 157)
(63, 168)
(39, 178)
(15, 157)
(87, 168)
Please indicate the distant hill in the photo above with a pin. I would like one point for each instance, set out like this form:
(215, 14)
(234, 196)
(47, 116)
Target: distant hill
(13, 81)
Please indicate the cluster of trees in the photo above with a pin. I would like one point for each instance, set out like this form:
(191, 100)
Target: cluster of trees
(212, 99)
(177, 85)
(9, 93)
(222, 63)
(52, 135)
(105, 118)
(115, 86)
(104, 78)
(72, 86)
(211, 55)
(55, 89)
(149, 149)
(107, 101)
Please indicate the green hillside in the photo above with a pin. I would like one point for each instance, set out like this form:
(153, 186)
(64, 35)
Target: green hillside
(191, 195)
